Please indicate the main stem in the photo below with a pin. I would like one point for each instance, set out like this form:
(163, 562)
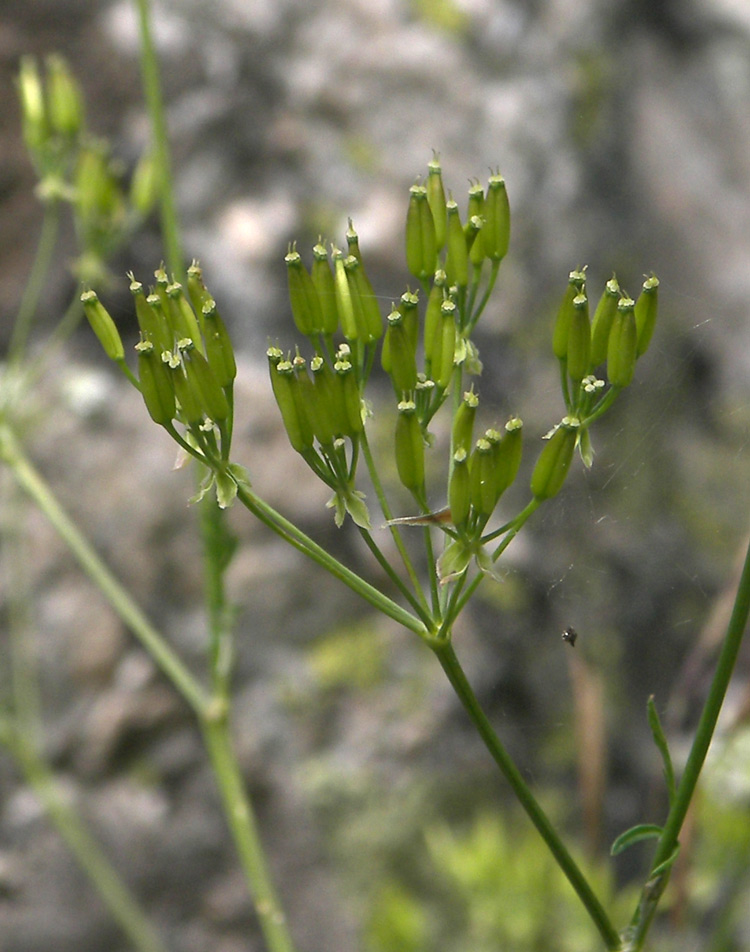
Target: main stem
(686, 788)
(455, 673)
(243, 825)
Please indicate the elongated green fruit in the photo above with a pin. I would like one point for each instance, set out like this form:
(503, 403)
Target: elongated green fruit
(436, 199)
(432, 312)
(579, 339)
(576, 286)
(457, 258)
(366, 309)
(496, 231)
(463, 422)
(409, 448)
(196, 289)
(157, 387)
(622, 345)
(408, 307)
(352, 242)
(475, 223)
(344, 302)
(183, 317)
(103, 326)
(602, 321)
(329, 395)
(203, 381)
(191, 406)
(442, 368)
(322, 278)
(285, 389)
(401, 355)
(421, 243)
(554, 460)
(482, 478)
(507, 453)
(351, 398)
(64, 99)
(219, 350)
(302, 296)
(646, 309)
(459, 493)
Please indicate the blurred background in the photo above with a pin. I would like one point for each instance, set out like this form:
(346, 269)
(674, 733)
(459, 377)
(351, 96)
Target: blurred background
(622, 129)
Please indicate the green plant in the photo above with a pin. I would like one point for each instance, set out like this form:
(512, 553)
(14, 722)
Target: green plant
(185, 373)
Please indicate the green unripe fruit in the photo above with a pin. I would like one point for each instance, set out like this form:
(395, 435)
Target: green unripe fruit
(64, 99)
(579, 339)
(622, 346)
(351, 398)
(408, 307)
(496, 231)
(103, 326)
(409, 448)
(322, 278)
(432, 313)
(344, 302)
(286, 391)
(400, 355)
(204, 383)
(421, 243)
(507, 454)
(554, 460)
(302, 296)
(475, 224)
(445, 345)
(459, 494)
(191, 405)
(457, 259)
(482, 478)
(182, 316)
(156, 383)
(436, 200)
(463, 422)
(219, 350)
(366, 309)
(646, 309)
(576, 286)
(602, 321)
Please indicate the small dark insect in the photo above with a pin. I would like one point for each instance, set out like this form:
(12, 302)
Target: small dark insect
(569, 636)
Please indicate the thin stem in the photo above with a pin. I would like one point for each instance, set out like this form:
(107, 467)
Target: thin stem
(30, 300)
(303, 543)
(217, 546)
(391, 573)
(455, 673)
(155, 102)
(118, 899)
(668, 840)
(119, 598)
(388, 515)
(244, 830)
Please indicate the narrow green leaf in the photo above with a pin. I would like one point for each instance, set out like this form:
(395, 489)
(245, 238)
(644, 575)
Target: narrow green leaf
(657, 732)
(644, 831)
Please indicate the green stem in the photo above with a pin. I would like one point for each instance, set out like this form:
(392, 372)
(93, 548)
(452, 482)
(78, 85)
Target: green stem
(388, 515)
(391, 573)
(244, 830)
(155, 102)
(30, 300)
(303, 543)
(668, 840)
(452, 667)
(217, 546)
(119, 598)
(118, 899)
